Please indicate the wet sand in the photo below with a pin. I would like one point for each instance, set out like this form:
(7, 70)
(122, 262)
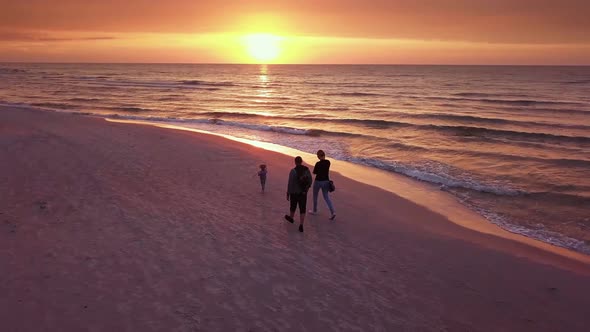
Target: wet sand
(120, 227)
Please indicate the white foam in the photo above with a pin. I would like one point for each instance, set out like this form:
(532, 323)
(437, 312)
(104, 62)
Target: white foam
(442, 179)
(540, 233)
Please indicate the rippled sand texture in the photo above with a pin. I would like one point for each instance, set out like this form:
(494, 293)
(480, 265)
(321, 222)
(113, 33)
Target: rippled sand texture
(118, 227)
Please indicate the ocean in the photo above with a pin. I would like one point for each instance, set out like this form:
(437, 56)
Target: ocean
(509, 142)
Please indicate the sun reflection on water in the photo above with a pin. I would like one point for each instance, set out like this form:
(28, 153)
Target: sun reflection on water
(264, 92)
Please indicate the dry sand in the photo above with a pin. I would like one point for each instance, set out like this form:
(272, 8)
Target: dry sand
(118, 227)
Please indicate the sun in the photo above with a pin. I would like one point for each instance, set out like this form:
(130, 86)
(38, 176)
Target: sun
(263, 47)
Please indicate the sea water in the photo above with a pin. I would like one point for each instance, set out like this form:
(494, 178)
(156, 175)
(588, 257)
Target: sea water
(510, 142)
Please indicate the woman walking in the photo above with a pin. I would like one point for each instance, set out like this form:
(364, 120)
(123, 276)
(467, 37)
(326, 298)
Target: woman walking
(322, 181)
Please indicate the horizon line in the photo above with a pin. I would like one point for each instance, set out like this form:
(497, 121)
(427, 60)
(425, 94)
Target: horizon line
(292, 64)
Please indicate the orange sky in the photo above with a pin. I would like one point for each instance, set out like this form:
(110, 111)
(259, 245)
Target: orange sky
(312, 31)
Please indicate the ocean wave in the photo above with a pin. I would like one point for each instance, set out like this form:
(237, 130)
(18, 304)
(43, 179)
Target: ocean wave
(495, 156)
(560, 198)
(464, 131)
(259, 127)
(14, 104)
(148, 118)
(229, 119)
(407, 147)
(436, 175)
(51, 105)
(576, 82)
(92, 77)
(557, 111)
(438, 178)
(559, 162)
(487, 95)
(12, 71)
(511, 102)
(268, 85)
(543, 235)
(468, 131)
(334, 108)
(221, 114)
(366, 122)
(207, 83)
(405, 75)
(84, 100)
(354, 94)
(277, 129)
(52, 77)
(130, 84)
(130, 109)
(565, 162)
(171, 98)
(478, 119)
(208, 86)
(459, 130)
(350, 85)
(458, 117)
(523, 102)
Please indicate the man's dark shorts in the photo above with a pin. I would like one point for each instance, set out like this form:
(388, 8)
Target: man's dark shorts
(298, 199)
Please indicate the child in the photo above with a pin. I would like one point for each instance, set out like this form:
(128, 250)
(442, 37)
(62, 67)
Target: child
(262, 175)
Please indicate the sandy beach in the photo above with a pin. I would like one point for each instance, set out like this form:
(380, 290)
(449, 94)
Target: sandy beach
(121, 227)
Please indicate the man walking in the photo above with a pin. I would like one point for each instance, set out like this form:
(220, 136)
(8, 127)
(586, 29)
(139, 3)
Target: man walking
(299, 183)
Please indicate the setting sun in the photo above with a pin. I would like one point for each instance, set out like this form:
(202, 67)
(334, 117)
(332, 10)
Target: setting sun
(455, 150)
(263, 47)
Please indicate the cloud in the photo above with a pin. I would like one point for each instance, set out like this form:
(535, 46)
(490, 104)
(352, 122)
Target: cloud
(57, 39)
(11, 36)
(487, 21)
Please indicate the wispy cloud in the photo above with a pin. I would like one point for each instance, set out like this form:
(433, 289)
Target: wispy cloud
(11, 36)
(487, 21)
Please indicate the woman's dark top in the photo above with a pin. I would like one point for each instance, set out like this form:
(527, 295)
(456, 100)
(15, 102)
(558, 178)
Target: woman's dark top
(322, 170)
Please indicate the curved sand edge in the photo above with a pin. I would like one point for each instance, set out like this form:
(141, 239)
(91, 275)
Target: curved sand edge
(119, 227)
(424, 195)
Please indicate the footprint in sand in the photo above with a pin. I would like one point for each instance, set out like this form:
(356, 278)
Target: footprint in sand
(288, 291)
(11, 226)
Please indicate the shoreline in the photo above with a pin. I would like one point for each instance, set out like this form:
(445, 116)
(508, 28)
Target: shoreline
(487, 221)
(114, 226)
(413, 190)
(408, 188)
